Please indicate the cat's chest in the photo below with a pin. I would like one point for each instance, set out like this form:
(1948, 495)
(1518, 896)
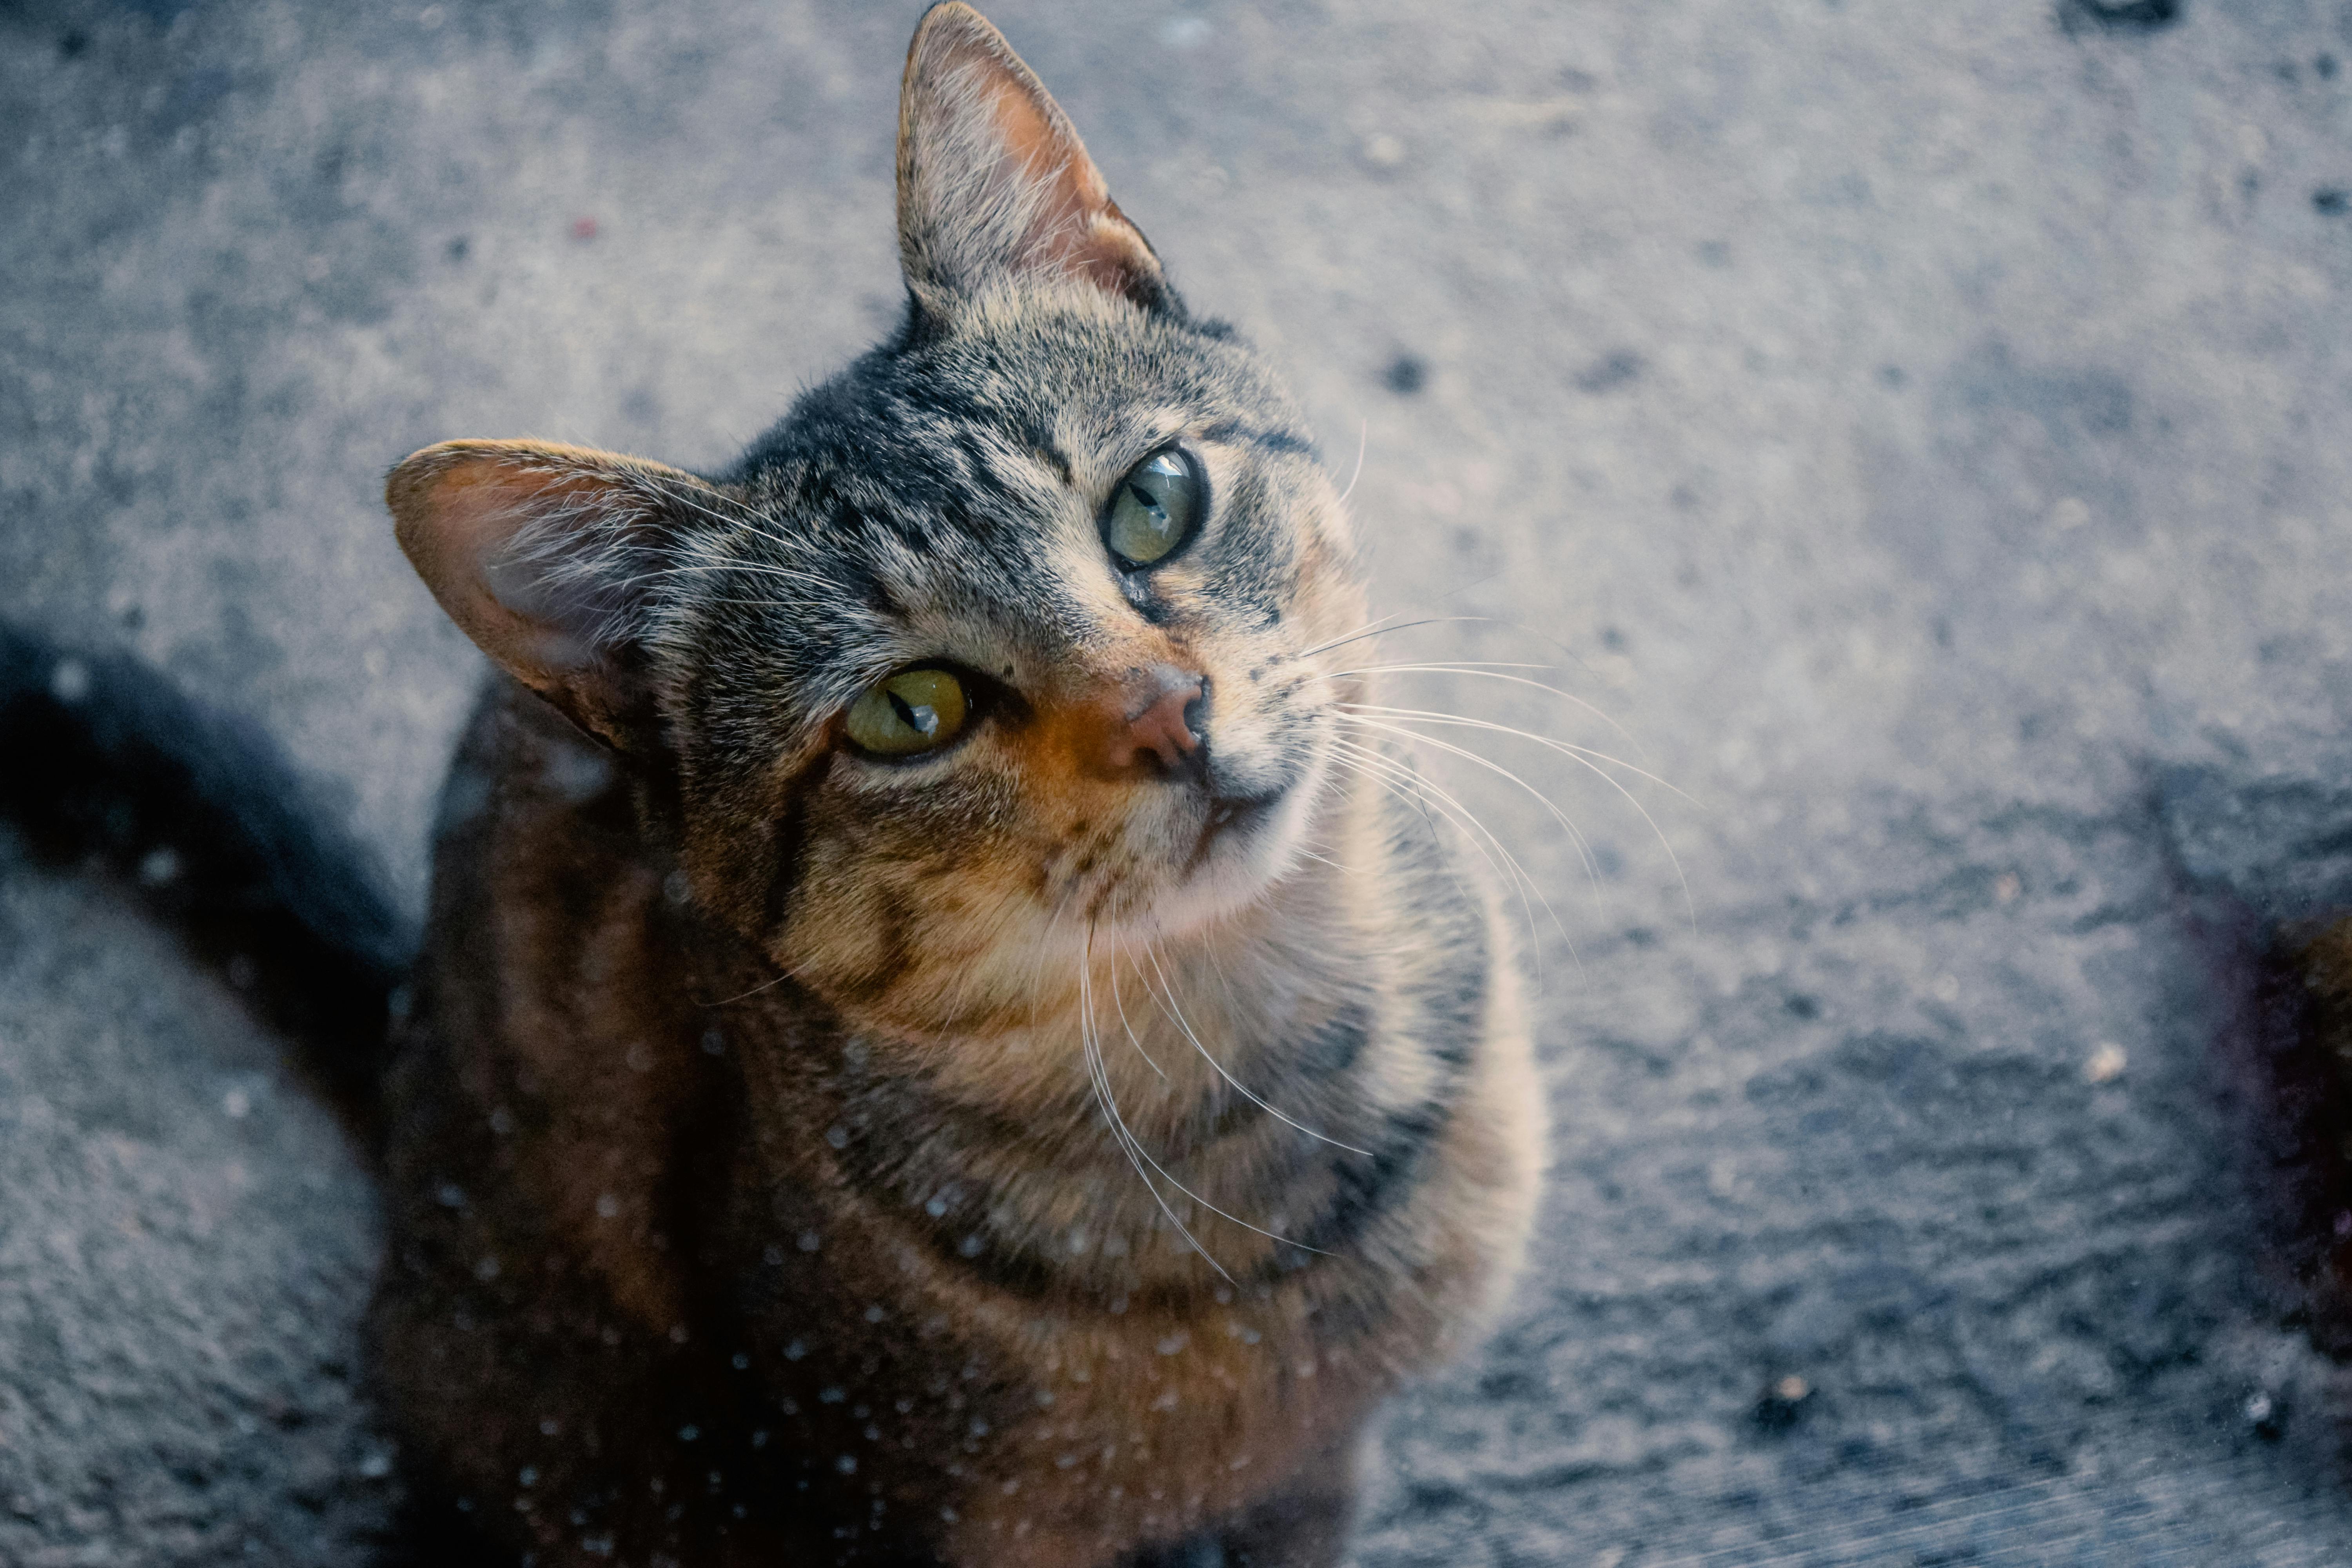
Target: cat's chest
(1042, 1423)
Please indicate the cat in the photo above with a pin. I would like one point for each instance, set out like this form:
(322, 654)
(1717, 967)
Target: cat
(933, 1042)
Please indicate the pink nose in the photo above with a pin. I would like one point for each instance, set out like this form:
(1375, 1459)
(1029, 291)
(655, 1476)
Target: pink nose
(1154, 732)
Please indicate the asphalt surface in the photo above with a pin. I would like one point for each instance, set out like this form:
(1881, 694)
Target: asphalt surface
(1922, 428)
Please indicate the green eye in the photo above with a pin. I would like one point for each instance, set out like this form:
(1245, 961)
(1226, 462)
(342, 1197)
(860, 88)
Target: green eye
(914, 711)
(1155, 510)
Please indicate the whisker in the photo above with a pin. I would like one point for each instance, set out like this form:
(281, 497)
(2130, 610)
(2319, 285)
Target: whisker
(1176, 1011)
(1129, 1027)
(1408, 792)
(1363, 440)
(1460, 666)
(1491, 671)
(1580, 754)
(748, 516)
(1584, 755)
(1400, 777)
(1377, 630)
(1306, 853)
(1454, 809)
(1134, 1145)
(759, 568)
(1575, 835)
(769, 604)
(763, 986)
(1090, 1047)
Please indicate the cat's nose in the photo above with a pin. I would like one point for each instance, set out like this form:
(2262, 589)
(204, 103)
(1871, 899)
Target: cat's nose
(1160, 706)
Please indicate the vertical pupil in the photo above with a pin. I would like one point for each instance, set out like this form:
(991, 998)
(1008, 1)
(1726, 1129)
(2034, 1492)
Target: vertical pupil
(1152, 510)
(924, 721)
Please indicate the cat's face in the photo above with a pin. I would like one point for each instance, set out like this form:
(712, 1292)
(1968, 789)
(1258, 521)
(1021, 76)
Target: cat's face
(1016, 635)
(950, 539)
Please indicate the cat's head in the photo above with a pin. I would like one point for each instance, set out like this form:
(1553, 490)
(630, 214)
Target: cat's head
(1018, 629)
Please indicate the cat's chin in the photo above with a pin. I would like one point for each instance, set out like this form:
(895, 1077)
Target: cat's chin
(1247, 847)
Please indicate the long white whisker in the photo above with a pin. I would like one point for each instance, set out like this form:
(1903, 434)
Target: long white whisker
(1584, 755)
(1560, 816)
(1134, 1145)
(1124, 1023)
(1486, 671)
(1576, 753)
(1176, 1011)
(1450, 665)
(1378, 630)
(1363, 440)
(758, 523)
(1407, 789)
(1575, 835)
(763, 986)
(1091, 1048)
(1398, 777)
(758, 568)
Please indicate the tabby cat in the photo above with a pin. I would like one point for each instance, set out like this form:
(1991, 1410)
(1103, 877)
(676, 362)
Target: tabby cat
(933, 1046)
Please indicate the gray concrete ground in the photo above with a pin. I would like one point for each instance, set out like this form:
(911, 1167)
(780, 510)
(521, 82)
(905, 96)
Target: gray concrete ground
(1922, 427)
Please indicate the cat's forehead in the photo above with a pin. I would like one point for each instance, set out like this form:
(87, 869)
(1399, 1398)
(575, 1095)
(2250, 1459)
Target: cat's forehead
(925, 461)
(1090, 374)
(946, 493)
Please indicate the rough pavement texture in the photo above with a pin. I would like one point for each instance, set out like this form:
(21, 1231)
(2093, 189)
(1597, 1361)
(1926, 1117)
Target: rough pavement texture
(1922, 427)
(184, 1247)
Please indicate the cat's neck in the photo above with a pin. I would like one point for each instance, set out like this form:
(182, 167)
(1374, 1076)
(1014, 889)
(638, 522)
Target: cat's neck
(1165, 1022)
(1229, 1087)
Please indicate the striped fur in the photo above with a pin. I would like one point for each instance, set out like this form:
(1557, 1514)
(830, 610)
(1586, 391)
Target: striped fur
(799, 1157)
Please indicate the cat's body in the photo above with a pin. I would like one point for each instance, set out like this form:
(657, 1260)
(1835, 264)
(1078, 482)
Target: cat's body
(1029, 1107)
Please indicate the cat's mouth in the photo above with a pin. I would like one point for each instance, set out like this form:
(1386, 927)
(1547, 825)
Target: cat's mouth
(1232, 816)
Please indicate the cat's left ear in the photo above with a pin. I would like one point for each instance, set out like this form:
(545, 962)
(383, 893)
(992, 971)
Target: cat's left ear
(993, 182)
(543, 554)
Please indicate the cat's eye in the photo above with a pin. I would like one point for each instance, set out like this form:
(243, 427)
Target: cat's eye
(1154, 510)
(913, 711)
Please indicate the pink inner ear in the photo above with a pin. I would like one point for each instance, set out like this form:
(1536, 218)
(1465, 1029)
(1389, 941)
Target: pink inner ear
(535, 551)
(993, 177)
(1077, 227)
(492, 536)
(519, 609)
(564, 619)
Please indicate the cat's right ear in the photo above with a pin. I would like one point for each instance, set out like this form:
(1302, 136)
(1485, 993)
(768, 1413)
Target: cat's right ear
(993, 182)
(542, 553)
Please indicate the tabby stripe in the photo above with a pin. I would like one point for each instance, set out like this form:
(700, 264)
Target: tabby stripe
(1235, 434)
(792, 833)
